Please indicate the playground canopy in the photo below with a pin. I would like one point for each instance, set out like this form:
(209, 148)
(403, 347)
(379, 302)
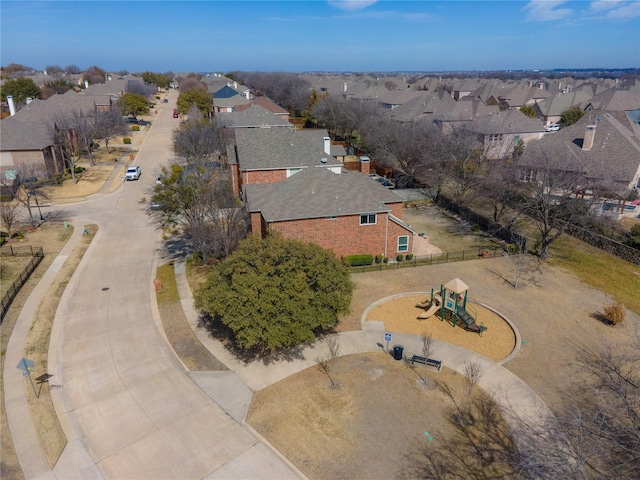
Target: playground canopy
(457, 286)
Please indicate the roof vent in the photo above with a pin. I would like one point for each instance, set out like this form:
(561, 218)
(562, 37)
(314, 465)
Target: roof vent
(324, 160)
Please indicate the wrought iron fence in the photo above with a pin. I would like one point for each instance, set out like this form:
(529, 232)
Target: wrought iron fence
(433, 259)
(37, 256)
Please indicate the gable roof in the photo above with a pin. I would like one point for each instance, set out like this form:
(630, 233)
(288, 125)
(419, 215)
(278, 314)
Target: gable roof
(426, 103)
(254, 116)
(225, 92)
(616, 147)
(556, 104)
(317, 192)
(280, 148)
(620, 100)
(507, 121)
(266, 103)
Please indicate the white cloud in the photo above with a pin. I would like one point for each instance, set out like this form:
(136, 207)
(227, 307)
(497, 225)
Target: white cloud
(601, 5)
(628, 10)
(351, 5)
(546, 10)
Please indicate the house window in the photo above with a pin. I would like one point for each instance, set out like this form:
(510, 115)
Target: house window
(497, 137)
(403, 243)
(516, 140)
(10, 174)
(368, 219)
(331, 218)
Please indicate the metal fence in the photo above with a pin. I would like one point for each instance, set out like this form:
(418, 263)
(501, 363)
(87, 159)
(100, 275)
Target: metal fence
(485, 224)
(17, 284)
(433, 259)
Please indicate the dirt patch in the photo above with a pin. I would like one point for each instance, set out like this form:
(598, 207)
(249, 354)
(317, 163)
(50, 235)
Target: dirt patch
(362, 429)
(401, 315)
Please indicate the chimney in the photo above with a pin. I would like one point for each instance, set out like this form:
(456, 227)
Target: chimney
(365, 165)
(327, 145)
(86, 84)
(29, 100)
(589, 137)
(344, 86)
(12, 106)
(235, 85)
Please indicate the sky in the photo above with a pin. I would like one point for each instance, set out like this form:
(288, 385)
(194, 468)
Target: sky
(321, 35)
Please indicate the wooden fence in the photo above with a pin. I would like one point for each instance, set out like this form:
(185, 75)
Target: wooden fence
(37, 256)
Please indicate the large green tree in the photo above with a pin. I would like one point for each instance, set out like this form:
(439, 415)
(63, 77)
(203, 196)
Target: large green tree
(197, 97)
(134, 104)
(571, 116)
(275, 293)
(160, 80)
(20, 89)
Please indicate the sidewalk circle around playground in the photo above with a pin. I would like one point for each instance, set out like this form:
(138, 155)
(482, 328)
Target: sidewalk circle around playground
(399, 313)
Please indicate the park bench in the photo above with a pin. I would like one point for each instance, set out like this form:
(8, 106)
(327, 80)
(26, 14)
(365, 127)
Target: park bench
(430, 362)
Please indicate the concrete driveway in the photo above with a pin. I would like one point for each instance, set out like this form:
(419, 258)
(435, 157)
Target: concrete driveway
(126, 404)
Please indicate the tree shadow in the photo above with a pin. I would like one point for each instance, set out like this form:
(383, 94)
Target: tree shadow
(218, 330)
(601, 318)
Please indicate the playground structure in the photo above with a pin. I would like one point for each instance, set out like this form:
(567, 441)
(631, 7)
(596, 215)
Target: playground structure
(453, 299)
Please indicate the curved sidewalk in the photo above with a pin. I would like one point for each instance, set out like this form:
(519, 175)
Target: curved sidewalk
(519, 403)
(23, 433)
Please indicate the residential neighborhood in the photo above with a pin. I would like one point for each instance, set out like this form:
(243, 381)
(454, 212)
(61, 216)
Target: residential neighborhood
(244, 237)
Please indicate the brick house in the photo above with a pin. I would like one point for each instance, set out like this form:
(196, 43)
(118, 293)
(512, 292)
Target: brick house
(342, 211)
(266, 155)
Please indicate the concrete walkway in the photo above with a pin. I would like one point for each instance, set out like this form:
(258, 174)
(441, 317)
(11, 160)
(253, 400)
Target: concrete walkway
(23, 433)
(519, 402)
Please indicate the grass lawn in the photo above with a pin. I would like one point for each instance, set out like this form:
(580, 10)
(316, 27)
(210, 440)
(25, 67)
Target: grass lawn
(600, 270)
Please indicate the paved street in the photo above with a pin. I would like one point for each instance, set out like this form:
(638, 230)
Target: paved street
(124, 397)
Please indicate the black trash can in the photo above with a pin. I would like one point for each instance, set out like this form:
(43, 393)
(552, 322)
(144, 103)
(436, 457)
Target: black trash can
(397, 352)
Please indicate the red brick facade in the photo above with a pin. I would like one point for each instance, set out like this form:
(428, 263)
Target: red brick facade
(345, 236)
(263, 176)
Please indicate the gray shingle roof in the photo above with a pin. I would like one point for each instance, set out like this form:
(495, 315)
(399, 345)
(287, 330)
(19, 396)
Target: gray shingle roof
(507, 121)
(255, 116)
(317, 192)
(280, 148)
(615, 152)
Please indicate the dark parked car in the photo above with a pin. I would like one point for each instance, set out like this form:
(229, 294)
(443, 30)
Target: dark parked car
(144, 122)
(130, 120)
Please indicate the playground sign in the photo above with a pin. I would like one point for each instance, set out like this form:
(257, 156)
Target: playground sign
(387, 337)
(26, 366)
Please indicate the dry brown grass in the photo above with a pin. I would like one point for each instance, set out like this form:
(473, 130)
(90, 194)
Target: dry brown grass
(178, 331)
(362, 429)
(52, 238)
(43, 414)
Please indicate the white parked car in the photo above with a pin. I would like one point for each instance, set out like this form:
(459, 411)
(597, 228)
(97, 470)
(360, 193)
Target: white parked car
(552, 128)
(133, 173)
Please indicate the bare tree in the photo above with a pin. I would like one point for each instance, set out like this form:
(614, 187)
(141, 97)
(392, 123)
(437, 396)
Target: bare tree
(73, 131)
(9, 214)
(553, 188)
(463, 163)
(327, 363)
(199, 140)
(27, 192)
(109, 125)
(427, 342)
(199, 200)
